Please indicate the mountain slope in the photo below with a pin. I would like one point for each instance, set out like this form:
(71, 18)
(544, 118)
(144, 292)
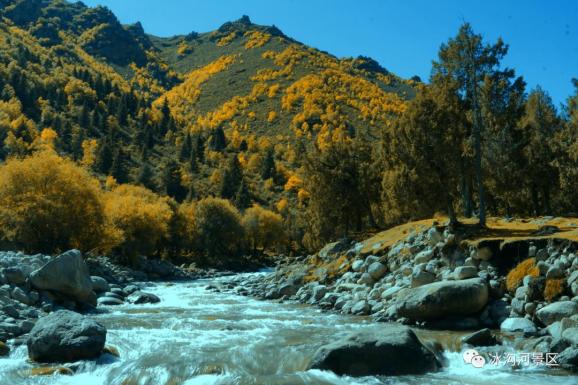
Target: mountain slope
(166, 112)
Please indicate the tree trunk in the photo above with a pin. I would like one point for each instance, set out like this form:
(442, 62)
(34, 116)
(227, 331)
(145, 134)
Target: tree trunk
(466, 194)
(547, 208)
(535, 201)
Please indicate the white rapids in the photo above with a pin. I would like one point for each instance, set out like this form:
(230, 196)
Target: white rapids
(198, 337)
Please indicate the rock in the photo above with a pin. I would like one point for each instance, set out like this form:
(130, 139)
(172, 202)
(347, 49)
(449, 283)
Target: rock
(440, 299)
(14, 275)
(319, 292)
(10, 328)
(140, 297)
(65, 336)
(20, 295)
(376, 270)
(361, 307)
(99, 284)
(465, 272)
(433, 236)
(518, 324)
(421, 278)
(568, 359)
(389, 293)
(570, 335)
(66, 274)
(482, 337)
(110, 301)
(424, 256)
(334, 248)
(556, 311)
(357, 265)
(50, 371)
(366, 280)
(554, 272)
(483, 254)
(394, 351)
(4, 349)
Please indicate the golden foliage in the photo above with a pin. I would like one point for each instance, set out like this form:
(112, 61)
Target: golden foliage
(293, 183)
(141, 216)
(554, 288)
(182, 97)
(271, 116)
(263, 227)
(184, 48)
(517, 274)
(48, 204)
(256, 39)
(226, 40)
(282, 205)
(89, 152)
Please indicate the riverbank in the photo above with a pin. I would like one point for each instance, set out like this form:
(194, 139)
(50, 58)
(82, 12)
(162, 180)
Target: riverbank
(521, 286)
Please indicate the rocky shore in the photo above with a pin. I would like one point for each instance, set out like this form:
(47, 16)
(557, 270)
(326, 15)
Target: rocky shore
(525, 290)
(44, 300)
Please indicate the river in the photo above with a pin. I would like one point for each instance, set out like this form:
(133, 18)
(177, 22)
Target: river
(195, 336)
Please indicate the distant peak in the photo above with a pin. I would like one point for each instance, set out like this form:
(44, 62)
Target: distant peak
(244, 20)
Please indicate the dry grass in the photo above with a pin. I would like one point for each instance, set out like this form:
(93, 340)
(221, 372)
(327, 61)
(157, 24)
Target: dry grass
(554, 288)
(517, 274)
(497, 229)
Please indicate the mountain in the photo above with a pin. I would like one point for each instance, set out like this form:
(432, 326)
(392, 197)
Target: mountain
(171, 113)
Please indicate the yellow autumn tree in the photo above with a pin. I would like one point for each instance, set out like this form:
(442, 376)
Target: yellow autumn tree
(263, 227)
(141, 216)
(49, 204)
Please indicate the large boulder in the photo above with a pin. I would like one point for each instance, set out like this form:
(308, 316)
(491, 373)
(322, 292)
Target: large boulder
(518, 324)
(441, 299)
(65, 336)
(395, 350)
(556, 311)
(66, 274)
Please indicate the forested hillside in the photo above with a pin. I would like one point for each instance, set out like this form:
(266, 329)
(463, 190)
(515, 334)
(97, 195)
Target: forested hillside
(243, 139)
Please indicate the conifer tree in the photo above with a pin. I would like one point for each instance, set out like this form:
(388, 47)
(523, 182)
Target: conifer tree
(232, 178)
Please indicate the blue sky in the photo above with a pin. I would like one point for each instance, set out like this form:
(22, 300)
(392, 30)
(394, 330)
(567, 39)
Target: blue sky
(404, 36)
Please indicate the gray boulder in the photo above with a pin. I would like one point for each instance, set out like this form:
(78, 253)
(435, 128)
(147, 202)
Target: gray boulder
(441, 299)
(395, 350)
(482, 337)
(99, 284)
(14, 275)
(20, 295)
(140, 297)
(568, 359)
(556, 311)
(109, 301)
(65, 336)
(465, 272)
(376, 270)
(518, 324)
(66, 274)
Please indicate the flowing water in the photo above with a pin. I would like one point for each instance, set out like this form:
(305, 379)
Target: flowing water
(195, 336)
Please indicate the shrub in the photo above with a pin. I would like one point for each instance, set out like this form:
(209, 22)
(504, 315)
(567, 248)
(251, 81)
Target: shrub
(554, 288)
(264, 228)
(218, 228)
(141, 217)
(49, 204)
(185, 232)
(517, 274)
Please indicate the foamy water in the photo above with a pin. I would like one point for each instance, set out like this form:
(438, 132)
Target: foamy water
(197, 337)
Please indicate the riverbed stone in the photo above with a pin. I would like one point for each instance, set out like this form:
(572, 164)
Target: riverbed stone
(568, 359)
(518, 324)
(66, 336)
(395, 350)
(66, 274)
(376, 270)
(99, 284)
(20, 295)
(465, 272)
(441, 299)
(109, 301)
(482, 337)
(140, 297)
(556, 311)
(14, 275)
